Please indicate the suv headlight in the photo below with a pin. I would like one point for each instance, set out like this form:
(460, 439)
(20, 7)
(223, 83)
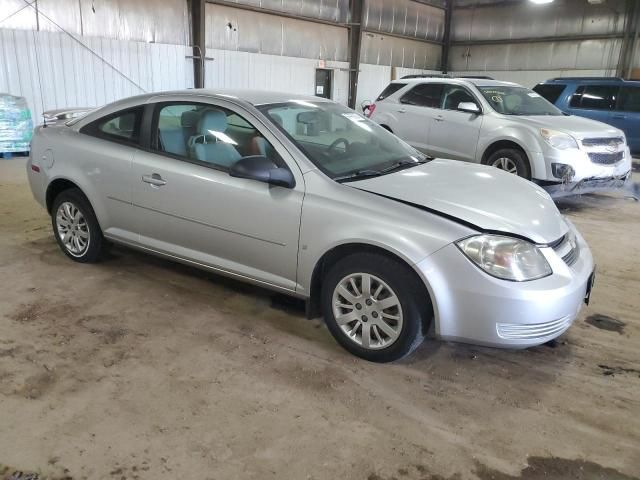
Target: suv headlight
(507, 258)
(559, 140)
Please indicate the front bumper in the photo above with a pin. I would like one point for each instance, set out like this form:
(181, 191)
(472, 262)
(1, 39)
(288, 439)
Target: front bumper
(589, 185)
(471, 306)
(585, 170)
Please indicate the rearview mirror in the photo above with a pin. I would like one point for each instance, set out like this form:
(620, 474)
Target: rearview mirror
(260, 168)
(468, 107)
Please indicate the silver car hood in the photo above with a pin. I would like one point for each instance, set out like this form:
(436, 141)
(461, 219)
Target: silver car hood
(578, 127)
(483, 197)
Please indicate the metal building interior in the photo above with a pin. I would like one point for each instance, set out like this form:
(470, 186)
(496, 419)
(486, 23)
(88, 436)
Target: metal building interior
(140, 368)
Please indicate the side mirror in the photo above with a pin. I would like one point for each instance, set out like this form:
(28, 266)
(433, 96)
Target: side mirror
(260, 168)
(468, 107)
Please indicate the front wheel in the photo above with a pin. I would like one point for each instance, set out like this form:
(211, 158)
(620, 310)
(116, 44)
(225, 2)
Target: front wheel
(511, 160)
(375, 307)
(76, 228)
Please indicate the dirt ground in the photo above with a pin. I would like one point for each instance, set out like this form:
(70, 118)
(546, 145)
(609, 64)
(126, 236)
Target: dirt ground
(137, 368)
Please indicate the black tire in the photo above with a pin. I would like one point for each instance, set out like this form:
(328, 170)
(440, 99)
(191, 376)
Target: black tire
(408, 288)
(518, 157)
(97, 245)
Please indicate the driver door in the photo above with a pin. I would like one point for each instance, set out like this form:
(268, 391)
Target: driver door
(454, 134)
(187, 205)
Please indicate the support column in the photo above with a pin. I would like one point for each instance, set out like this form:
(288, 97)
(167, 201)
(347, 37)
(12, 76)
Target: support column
(446, 39)
(356, 11)
(197, 17)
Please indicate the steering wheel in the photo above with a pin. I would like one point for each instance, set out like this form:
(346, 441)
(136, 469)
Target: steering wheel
(337, 142)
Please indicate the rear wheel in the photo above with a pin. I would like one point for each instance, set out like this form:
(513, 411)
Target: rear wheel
(511, 160)
(375, 307)
(76, 228)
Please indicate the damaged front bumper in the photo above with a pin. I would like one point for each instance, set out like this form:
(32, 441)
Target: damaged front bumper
(589, 185)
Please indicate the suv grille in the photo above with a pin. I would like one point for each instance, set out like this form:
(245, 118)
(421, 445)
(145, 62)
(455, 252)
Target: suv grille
(606, 158)
(604, 150)
(603, 142)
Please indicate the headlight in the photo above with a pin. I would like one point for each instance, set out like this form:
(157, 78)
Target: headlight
(559, 140)
(506, 257)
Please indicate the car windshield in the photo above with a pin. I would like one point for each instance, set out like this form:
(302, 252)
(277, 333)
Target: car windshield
(342, 143)
(513, 100)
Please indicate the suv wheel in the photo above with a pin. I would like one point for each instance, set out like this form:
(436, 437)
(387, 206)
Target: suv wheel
(76, 228)
(375, 307)
(511, 160)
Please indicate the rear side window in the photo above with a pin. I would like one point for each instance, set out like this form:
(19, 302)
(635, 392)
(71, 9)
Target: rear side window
(424, 95)
(550, 92)
(121, 127)
(390, 90)
(629, 99)
(594, 97)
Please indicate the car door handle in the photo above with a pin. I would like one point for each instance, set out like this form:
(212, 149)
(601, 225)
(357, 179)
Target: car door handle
(402, 110)
(154, 180)
(439, 118)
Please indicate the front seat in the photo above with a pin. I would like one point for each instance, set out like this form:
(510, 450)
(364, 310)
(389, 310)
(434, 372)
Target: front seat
(259, 145)
(211, 144)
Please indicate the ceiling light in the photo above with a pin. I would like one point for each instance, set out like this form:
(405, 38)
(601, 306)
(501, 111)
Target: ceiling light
(539, 2)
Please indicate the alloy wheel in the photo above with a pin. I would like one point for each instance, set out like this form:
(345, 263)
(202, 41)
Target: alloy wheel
(506, 164)
(367, 311)
(73, 229)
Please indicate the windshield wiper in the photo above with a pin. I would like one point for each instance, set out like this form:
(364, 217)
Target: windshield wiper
(402, 165)
(357, 175)
(366, 173)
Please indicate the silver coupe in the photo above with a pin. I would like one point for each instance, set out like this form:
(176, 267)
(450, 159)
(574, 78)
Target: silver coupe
(304, 196)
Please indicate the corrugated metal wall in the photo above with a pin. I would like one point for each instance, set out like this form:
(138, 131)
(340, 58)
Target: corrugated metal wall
(523, 20)
(159, 21)
(405, 17)
(229, 28)
(148, 41)
(330, 10)
(232, 69)
(73, 76)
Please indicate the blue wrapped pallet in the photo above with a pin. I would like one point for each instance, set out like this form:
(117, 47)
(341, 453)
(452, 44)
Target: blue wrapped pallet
(16, 126)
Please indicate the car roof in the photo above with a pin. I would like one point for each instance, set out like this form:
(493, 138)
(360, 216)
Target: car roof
(240, 96)
(597, 80)
(478, 82)
(253, 97)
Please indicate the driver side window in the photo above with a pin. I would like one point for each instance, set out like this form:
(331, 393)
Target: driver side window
(454, 95)
(208, 134)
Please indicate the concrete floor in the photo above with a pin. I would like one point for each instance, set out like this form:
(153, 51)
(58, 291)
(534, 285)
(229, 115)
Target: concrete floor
(140, 368)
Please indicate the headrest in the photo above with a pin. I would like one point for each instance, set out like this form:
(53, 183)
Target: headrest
(215, 120)
(189, 119)
(126, 122)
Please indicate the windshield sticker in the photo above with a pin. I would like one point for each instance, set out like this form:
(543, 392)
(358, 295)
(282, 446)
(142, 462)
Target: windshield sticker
(496, 98)
(494, 92)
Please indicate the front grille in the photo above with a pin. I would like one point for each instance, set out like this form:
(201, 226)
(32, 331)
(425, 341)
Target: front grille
(604, 150)
(571, 257)
(519, 331)
(567, 248)
(606, 158)
(603, 142)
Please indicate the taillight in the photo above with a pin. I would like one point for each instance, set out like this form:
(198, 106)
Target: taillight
(35, 168)
(370, 109)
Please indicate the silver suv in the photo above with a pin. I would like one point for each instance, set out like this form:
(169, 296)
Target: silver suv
(504, 125)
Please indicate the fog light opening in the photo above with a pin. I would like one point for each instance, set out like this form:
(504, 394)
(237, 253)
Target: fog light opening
(563, 171)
